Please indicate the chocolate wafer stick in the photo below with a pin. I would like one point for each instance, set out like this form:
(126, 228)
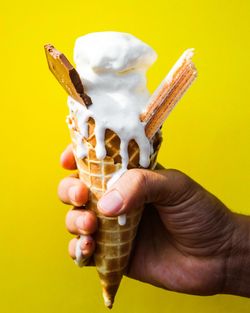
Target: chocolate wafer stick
(169, 92)
(66, 74)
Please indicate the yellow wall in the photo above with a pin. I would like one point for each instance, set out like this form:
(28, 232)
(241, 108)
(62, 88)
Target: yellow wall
(207, 136)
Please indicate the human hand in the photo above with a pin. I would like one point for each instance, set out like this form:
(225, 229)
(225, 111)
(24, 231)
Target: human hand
(186, 236)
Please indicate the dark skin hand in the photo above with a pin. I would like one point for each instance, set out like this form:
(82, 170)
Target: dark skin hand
(188, 241)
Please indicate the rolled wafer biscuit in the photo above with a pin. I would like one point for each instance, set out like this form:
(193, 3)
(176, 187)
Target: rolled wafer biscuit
(169, 92)
(66, 74)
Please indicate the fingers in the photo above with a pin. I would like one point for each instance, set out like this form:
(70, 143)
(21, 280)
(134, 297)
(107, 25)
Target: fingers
(81, 222)
(67, 159)
(137, 187)
(72, 191)
(87, 247)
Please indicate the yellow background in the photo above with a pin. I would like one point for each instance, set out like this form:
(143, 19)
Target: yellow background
(207, 136)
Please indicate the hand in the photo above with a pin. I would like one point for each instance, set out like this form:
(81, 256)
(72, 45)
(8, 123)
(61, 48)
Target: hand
(186, 235)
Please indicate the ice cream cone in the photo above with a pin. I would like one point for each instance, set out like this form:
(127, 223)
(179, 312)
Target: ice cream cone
(114, 242)
(115, 235)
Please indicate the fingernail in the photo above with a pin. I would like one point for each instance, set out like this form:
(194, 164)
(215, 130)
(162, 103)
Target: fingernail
(111, 203)
(73, 194)
(80, 222)
(85, 245)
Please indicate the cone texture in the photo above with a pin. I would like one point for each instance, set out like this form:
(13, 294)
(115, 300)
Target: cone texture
(113, 241)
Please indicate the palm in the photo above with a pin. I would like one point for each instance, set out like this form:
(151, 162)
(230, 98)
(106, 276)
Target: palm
(180, 252)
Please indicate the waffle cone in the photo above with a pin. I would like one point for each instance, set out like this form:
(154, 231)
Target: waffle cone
(114, 242)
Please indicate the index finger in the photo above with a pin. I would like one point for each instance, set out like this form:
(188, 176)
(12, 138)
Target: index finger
(67, 158)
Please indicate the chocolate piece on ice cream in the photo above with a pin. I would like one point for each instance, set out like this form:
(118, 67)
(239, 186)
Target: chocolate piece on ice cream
(66, 74)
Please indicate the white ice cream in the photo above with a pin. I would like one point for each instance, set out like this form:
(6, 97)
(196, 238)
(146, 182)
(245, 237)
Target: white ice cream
(113, 69)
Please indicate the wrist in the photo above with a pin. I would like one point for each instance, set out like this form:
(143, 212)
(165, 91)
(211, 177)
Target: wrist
(237, 280)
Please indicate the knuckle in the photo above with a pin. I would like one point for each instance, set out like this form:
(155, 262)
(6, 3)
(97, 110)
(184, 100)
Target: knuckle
(90, 223)
(183, 180)
(140, 183)
(138, 178)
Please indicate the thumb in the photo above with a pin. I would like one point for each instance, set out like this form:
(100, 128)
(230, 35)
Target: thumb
(137, 187)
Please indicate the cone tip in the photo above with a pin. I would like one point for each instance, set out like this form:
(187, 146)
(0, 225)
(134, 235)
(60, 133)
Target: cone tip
(107, 301)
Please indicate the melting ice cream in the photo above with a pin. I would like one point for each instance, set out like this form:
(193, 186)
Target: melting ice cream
(113, 69)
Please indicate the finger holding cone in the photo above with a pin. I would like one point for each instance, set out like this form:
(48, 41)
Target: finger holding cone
(114, 240)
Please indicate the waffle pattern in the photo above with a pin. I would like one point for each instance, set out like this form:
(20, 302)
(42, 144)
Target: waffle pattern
(113, 241)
